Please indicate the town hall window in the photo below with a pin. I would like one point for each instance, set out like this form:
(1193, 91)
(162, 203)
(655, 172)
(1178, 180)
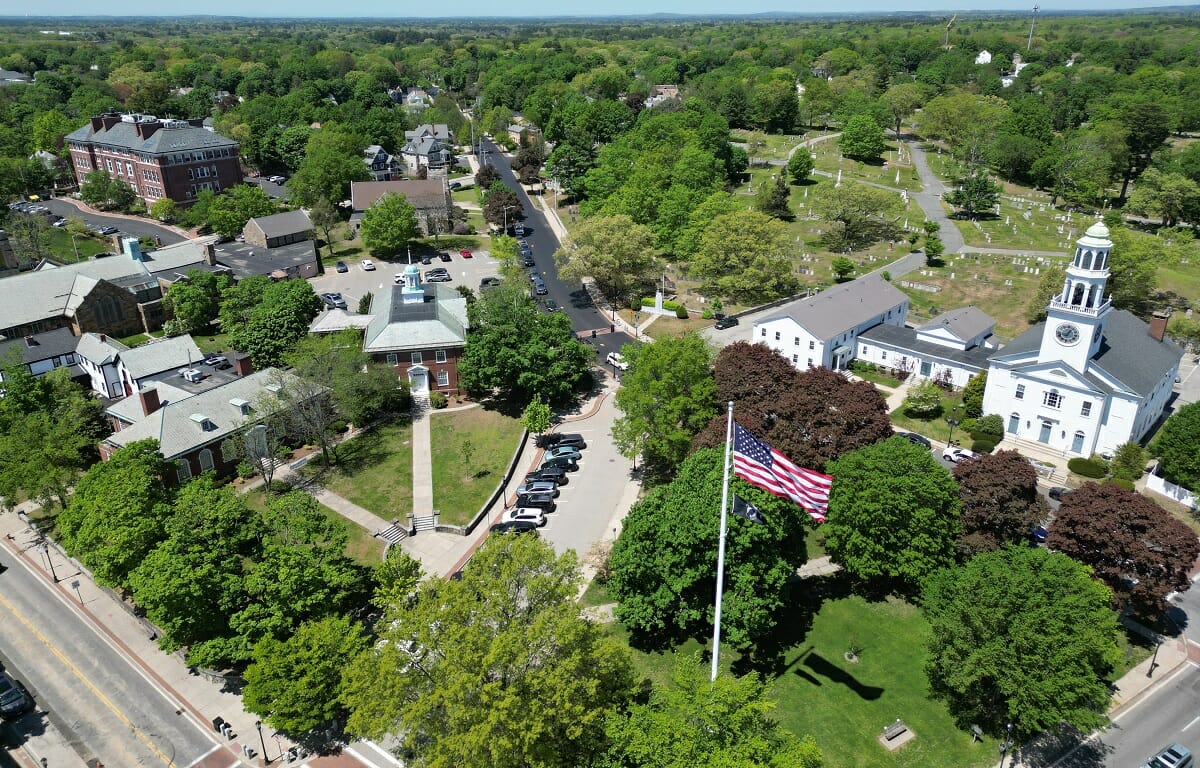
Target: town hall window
(1020, 391)
(812, 345)
(1086, 408)
(1052, 400)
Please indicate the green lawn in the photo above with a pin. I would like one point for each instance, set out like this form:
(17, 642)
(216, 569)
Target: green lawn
(87, 246)
(845, 705)
(936, 428)
(361, 547)
(471, 451)
(896, 174)
(374, 470)
(873, 375)
(210, 342)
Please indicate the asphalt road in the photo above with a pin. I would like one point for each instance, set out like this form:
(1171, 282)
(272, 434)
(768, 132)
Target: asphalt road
(91, 692)
(574, 300)
(134, 227)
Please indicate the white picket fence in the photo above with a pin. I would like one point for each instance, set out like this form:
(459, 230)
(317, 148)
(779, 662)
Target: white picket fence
(1172, 491)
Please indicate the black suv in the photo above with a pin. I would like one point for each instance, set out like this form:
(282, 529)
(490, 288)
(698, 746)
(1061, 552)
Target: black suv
(542, 501)
(725, 322)
(556, 475)
(573, 439)
(515, 526)
(916, 439)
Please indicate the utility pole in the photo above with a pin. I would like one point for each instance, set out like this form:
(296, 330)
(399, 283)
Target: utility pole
(1032, 24)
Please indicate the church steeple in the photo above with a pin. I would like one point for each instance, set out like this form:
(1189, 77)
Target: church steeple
(1075, 316)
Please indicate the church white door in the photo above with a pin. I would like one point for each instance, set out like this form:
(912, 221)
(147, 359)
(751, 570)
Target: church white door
(1044, 435)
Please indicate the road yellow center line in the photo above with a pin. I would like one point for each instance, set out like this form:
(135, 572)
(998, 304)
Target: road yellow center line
(142, 737)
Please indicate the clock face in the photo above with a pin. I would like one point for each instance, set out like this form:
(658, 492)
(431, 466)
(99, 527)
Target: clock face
(1067, 333)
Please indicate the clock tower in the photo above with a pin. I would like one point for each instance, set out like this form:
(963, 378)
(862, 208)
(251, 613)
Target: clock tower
(1075, 317)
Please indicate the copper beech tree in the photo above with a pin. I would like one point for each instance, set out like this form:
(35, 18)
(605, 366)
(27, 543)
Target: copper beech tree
(1000, 501)
(1132, 544)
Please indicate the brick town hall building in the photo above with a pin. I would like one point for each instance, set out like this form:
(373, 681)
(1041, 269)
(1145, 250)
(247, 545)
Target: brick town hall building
(156, 157)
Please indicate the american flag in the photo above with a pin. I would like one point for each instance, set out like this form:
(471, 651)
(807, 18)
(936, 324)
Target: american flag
(764, 467)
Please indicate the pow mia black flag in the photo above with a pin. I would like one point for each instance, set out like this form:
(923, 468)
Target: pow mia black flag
(743, 508)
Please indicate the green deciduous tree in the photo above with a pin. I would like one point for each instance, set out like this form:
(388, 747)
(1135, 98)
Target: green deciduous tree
(265, 319)
(614, 251)
(332, 159)
(967, 121)
(389, 224)
(1131, 544)
(745, 256)
(665, 398)
(692, 723)
(502, 207)
(772, 199)
(516, 352)
(893, 512)
(164, 209)
(229, 212)
(1176, 446)
(537, 416)
(800, 165)
(196, 300)
(972, 396)
(1021, 636)
(663, 566)
(842, 267)
(497, 668)
(862, 138)
(902, 100)
(1172, 196)
(295, 684)
(976, 194)
(863, 214)
(1132, 268)
(118, 511)
(923, 401)
(325, 217)
(1000, 501)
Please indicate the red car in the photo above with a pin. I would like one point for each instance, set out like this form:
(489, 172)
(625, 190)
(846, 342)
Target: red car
(465, 253)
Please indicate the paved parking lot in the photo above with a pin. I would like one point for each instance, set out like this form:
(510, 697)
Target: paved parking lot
(353, 284)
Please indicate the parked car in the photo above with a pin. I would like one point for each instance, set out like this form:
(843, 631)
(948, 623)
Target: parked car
(916, 439)
(398, 278)
(536, 516)
(556, 475)
(217, 361)
(515, 526)
(368, 265)
(725, 322)
(538, 486)
(542, 501)
(334, 300)
(617, 360)
(60, 222)
(194, 375)
(527, 260)
(1173, 756)
(489, 282)
(566, 462)
(276, 179)
(539, 287)
(438, 277)
(563, 450)
(956, 454)
(1038, 534)
(444, 256)
(465, 253)
(519, 229)
(573, 439)
(455, 185)
(1057, 492)
(107, 230)
(551, 305)
(427, 259)
(341, 267)
(14, 699)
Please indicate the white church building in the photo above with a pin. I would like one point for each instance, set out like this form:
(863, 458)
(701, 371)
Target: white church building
(1089, 378)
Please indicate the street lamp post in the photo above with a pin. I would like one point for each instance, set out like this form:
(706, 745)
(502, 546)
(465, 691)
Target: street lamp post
(1007, 744)
(507, 208)
(262, 742)
(952, 421)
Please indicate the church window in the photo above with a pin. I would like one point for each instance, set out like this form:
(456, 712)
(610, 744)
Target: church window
(1020, 391)
(1052, 399)
(812, 345)
(1086, 408)
(777, 335)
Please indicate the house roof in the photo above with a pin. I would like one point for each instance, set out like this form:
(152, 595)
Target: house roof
(439, 321)
(421, 193)
(180, 137)
(423, 146)
(170, 262)
(965, 322)
(8, 74)
(41, 346)
(334, 320)
(162, 355)
(98, 348)
(172, 424)
(836, 310)
(1128, 353)
(54, 291)
(905, 339)
(437, 131)
(246, 260)
(282, 224)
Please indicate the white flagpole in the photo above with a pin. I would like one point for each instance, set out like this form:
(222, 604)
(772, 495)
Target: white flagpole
(716, 655)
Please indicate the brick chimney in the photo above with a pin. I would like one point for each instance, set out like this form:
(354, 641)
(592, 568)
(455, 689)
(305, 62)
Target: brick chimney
(97, 123)
(109, 119)
(1158, 325)
(147, 129)
(242, 365)
(103, 338)
(149, 400)
(210, 254)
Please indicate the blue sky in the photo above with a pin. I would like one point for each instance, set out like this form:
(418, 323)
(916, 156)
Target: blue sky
(526, 8)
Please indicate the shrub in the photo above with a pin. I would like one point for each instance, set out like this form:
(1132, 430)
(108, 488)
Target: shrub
(681, 312)
(1120, 482)
(636, 305)
(280, 486)
(463, 228)
(1087, 468)
(245, 469)
(991, 426)
(438, 400)
(706, 314)
(983, 445)
(968, 425)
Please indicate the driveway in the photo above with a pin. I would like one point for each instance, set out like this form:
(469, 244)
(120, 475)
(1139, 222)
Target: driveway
(130, 225)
